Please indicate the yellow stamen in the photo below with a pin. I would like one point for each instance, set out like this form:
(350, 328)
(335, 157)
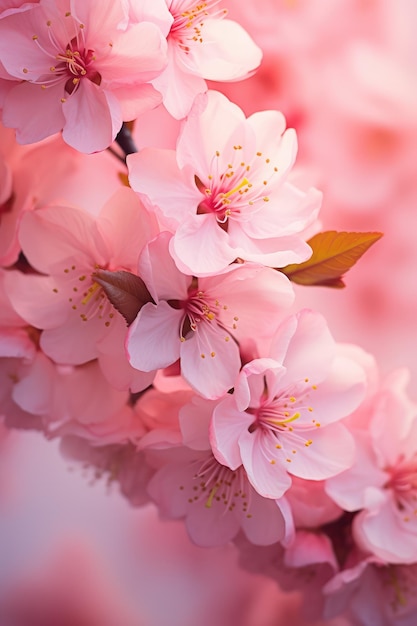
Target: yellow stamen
(91, 291)
(232, 191)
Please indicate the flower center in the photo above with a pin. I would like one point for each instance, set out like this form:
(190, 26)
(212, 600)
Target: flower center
(399, 583)
(217, 485)
(237, 190)
(204, 313)
(403, 481)
(70, 62)
(285, 420)
(76, 65)
(86, 297)
(189, 17)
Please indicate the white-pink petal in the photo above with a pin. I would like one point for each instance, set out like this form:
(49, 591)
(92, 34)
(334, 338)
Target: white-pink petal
(92, 118)
(154, 326)
(225, 429)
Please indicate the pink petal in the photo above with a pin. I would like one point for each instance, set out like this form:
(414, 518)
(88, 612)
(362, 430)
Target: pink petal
(52, 235)
(264, 524)
(225, 430)
(310, 350)
(92, 118)
(137, 55)
(348, 489)
(288, 212)
(126, 227)
(154, 326)
(272, 143)
(248, 289)
(155, 11)
(18, 50)
(211, 526)
(75, 341)
(210, 363)
(134, 100)
(384, 532)
(250, 385)
(213, 128)
(178, 196)
(227, 52)
(15, 343)
(178, 86)
(195, 431)
(330, 450)
(270, 480)
(36, 113)
(34, 299)
(200, 246)
(102, 19)
(34, 392)
(157, 269)
(341, 392)
(272, 251)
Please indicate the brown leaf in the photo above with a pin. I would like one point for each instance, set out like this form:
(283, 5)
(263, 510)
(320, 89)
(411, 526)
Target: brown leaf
(127, 292)
(334, 253)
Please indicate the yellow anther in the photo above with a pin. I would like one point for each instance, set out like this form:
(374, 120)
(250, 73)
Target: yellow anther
(91, 291)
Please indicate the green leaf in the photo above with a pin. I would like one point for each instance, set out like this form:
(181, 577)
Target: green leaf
(334, 253)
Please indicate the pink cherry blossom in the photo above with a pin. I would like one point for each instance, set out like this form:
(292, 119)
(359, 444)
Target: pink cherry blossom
(310, 504)
(50, 173)
(37, 393)
(158, 412)
(201, 320)
(17, 354)
(68, 245)
(372, 592)
(215, 501)
(224, 192)
(382, 483)
(305, 565)
(282, 417)
(202, 45)
(83, 70)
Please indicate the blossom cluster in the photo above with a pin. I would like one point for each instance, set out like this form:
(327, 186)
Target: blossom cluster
(147, 320)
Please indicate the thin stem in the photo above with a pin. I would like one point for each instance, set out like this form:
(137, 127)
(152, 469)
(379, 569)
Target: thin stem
(125, 140)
